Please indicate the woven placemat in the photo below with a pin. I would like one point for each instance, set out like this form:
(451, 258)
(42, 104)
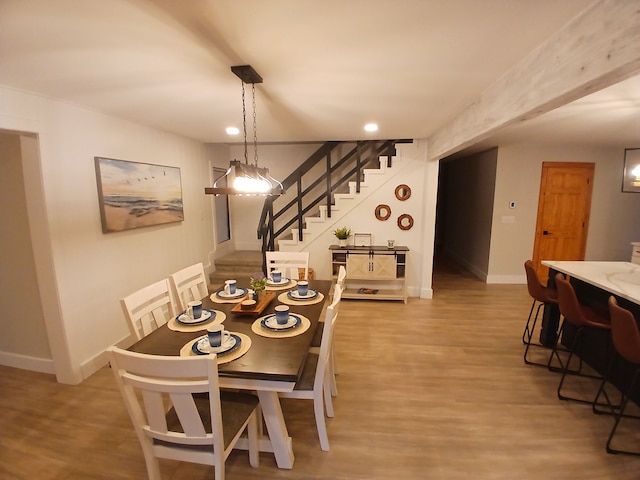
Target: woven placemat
(176, 326)
(284, 298)
(245, 345)
(256, 328)
(215, 298)
(285, 286)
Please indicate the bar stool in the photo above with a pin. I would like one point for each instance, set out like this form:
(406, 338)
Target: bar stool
(541, 295)
(626, 343)
(583, 318)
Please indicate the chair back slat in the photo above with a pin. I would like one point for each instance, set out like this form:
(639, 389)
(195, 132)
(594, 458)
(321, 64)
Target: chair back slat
(149, 308)
(326, 343)
(189, 284)
(288, 263)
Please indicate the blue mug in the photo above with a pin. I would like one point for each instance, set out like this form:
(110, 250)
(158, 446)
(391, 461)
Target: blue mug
(303, 288)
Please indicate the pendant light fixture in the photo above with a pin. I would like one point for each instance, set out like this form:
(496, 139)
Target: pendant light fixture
(247, 178)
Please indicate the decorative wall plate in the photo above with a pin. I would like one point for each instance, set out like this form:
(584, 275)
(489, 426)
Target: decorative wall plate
(405, 221)
(383, 212)
(403, 192)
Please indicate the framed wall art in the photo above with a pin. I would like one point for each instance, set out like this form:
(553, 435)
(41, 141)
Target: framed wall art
(133, 195)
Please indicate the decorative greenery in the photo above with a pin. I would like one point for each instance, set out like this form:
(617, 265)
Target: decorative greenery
(258, 282)
(342, 233)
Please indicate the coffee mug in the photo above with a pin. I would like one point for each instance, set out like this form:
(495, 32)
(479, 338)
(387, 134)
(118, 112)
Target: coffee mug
(276, 276)
(217, 335)
(194, 309)
(282, 314)
(230, 287)
(303, 288)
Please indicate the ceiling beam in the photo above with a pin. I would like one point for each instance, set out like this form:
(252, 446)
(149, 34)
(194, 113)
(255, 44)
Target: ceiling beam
(597, 49)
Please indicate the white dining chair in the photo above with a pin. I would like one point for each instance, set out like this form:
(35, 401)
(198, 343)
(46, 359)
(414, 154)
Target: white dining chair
(342, 275)
(189, 284)
(149, 308)
(288, 263)
(178, 411)
(315, 383)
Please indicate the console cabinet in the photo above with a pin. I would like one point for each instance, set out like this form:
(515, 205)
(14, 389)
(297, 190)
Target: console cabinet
(373, 273)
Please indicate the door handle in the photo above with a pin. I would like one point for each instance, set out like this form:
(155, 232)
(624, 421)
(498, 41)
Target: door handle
(545, 232)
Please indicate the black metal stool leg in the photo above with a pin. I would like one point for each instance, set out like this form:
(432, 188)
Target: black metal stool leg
(620, 415)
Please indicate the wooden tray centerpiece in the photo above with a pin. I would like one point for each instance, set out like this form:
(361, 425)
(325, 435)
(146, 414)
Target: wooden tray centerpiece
(263, 300)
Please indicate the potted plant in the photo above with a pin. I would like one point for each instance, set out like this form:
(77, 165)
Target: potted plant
(343, 235)
(258, 283)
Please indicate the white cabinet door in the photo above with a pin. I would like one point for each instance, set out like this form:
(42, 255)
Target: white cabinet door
(358, 266)
(384, 267)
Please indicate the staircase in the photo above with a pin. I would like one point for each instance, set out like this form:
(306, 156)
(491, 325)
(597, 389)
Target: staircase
(237, 265)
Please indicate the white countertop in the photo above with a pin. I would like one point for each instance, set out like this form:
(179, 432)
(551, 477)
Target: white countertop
(619, 278)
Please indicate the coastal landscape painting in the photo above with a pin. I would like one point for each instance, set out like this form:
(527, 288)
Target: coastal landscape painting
(134, 195)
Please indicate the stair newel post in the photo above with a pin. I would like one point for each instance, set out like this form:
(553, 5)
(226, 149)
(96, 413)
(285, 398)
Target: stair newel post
(358, 165)
(299, 215)
(328, 178)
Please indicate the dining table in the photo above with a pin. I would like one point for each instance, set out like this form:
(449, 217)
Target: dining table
(268, 362)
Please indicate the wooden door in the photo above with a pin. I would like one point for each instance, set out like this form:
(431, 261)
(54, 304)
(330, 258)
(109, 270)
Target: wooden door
(564, 206)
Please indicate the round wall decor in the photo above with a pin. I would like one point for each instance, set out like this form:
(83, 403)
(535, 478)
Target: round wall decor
(405, 221)
(403, 192)
(383, 212)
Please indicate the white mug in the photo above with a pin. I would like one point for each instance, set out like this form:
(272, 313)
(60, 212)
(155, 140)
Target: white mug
(218, 336)
(194, 309)
(230, 287)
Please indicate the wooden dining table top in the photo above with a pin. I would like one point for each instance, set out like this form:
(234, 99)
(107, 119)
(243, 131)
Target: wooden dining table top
(273, 359)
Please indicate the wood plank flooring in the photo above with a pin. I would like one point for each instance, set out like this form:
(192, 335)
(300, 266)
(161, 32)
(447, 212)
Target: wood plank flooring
(435, 389)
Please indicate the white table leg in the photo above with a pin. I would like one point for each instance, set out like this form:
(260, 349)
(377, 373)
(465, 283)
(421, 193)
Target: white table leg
(276, 428)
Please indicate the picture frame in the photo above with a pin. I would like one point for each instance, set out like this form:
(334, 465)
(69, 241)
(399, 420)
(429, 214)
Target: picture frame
(362, 239)
(135, 194)
(631, 172)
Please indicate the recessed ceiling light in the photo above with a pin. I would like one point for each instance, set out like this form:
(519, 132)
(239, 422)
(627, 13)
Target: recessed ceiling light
(233, 130)
(371, 127)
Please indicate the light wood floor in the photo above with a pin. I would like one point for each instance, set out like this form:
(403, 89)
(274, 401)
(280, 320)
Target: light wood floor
(435, 389)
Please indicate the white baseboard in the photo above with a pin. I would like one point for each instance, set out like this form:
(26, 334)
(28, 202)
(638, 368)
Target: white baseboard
(34, 364)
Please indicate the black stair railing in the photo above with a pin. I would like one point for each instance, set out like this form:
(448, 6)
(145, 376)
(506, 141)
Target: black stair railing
(333, 178)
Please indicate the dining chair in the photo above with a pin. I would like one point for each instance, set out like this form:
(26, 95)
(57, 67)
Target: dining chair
(189, 284)
(541, 296)
(179, 412)
(626, 344)
(288, 263)
(149, 308)
(583, 318)
(314, 383)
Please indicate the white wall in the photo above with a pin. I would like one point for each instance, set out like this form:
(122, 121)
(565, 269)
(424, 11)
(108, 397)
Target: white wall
(89, 271)
(614, 221)
(24, 337)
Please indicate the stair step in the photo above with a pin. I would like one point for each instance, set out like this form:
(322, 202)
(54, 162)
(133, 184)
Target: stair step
(238, 264)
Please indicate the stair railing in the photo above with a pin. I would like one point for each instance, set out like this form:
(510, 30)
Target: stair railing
(349, 168)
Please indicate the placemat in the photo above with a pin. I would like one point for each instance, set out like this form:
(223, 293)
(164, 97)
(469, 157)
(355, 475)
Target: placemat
(176, 326)
(186, 351)
(284, 298)
(290, 284)
(216, 299)
(256, 328)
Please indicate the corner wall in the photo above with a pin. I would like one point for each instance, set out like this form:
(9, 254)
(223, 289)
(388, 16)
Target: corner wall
(86, 272)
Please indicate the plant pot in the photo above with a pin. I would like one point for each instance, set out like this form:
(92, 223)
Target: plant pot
(342, 242)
